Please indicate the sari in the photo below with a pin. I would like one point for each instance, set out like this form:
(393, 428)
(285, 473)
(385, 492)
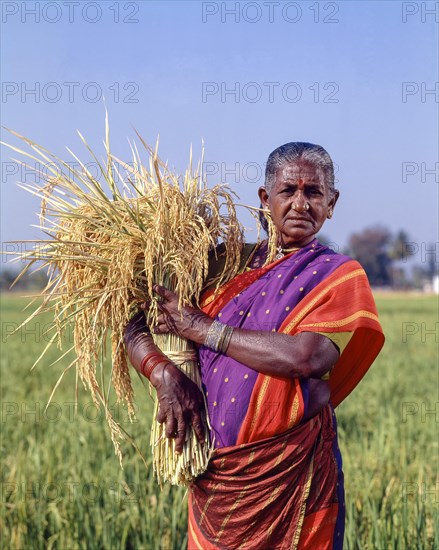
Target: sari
(275, 481)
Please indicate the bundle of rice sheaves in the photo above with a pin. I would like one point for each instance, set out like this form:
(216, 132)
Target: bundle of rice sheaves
(107, 244)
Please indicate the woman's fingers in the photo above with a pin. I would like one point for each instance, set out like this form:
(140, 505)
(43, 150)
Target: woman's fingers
(171, 425)
(165, 323)
(181, 434)
(197, 424)
(164, 293)
(180, 405)
(161, 328)
(161, 415)
(165, 296)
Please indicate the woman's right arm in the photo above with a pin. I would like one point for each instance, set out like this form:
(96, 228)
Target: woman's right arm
(180, 400)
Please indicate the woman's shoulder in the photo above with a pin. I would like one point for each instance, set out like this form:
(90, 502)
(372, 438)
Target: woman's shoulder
(336, 263)
(341, 266)
(327, 252)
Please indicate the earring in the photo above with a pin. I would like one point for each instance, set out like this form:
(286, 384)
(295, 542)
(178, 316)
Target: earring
(330, 213)
(273, 238)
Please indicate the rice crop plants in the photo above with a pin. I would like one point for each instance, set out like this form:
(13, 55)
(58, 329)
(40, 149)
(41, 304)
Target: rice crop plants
(388, 433)
(65, 461)
(105, 249)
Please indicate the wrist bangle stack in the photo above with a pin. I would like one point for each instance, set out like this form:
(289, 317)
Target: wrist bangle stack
(218, 337)
(150, 361)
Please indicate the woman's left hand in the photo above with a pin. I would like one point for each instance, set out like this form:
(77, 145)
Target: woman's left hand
(189, 322)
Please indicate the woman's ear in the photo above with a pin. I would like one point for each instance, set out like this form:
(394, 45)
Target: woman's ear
(333, 200)
(331, 204)
(263, 195)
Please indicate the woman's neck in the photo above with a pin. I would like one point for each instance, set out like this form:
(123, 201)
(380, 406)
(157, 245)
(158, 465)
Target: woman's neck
(259, 257)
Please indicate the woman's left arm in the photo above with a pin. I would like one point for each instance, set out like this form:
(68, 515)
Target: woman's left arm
(305, 355)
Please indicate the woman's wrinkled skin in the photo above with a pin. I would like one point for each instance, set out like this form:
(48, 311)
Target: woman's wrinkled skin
(299, 202)
(298, 184)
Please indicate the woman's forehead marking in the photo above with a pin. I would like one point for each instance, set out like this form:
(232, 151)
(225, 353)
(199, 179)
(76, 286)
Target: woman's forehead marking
(299, 169)
(300, 173)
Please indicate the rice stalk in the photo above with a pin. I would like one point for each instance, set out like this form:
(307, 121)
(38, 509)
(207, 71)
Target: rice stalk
(105, 250)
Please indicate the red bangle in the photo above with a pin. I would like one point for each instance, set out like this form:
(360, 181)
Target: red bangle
(151, 356)
(153, 359)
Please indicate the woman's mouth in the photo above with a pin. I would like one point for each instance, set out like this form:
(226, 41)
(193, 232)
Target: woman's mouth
(298, 220)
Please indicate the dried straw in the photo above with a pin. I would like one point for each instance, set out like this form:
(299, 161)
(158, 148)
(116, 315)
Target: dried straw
(104, 253)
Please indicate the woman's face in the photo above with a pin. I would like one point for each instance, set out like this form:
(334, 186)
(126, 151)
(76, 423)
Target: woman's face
(299, 184)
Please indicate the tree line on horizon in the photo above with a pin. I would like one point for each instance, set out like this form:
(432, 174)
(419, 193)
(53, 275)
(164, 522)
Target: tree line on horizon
(383, 255)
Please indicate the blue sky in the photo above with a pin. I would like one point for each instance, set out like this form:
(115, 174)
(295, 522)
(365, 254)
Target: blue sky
(351, 76)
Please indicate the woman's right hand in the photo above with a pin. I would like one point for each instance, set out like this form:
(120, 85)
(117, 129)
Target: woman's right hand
(180, 400)
(180, 403)
(319, 395)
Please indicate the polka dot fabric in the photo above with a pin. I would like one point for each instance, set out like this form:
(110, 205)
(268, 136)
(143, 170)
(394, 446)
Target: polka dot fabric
(261, 306)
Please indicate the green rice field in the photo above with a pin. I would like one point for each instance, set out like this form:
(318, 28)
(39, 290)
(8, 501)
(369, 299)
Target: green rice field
(62, 487)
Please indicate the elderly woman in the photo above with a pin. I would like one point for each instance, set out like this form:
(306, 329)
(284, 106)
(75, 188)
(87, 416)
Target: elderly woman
(280, 346)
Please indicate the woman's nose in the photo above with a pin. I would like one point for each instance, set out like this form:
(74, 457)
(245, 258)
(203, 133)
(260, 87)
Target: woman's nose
(299, 203)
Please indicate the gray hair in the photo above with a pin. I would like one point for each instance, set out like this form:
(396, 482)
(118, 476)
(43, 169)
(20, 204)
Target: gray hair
(299, 151)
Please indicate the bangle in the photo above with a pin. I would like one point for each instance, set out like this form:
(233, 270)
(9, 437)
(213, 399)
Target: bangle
(227, 336)
(218, 337)
(150, 361)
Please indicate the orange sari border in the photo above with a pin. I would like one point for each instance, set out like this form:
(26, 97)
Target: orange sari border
(342, 302)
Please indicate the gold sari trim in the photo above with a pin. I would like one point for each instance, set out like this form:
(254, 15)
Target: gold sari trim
(276, 489)
(261, 396)
(194, 536)
(209, 299)
(345, 321)
(251, 457)
(209, 500)
(229, 515)
(294, 409)
(306, 490)
(244, 542)
(293, 323)
(331, 521)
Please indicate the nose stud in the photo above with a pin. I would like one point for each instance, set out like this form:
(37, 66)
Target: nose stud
(305, 206)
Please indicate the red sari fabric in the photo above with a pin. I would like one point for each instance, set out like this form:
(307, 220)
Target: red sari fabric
(278, 487)
(256, 495)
